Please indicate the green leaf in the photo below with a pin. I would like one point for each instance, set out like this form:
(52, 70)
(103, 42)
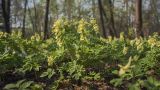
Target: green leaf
(133, 87)
(51, 73)
(25, 85)
(48, 73)
(116, 82)
(20, 82)
(44, 74)
(115, 72)
(49, 70)
(97, 76)
(37, 87)
(10, 86)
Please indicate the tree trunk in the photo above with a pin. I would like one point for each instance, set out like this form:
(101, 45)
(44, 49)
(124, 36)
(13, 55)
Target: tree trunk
(24, 18)
(46, 20)
(79, 9)
(127, 13)
(138, 19)
(69, 11)
(6, 14)
(101, 18)
(1, 17)
(35, 16)
(93, 8)
(31, 19)
(112, 24)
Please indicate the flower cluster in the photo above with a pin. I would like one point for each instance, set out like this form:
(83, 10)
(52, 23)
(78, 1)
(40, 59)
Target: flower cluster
(95, 25)
(81, 30)
(71, 28)
(125, 50)
(2, 34)
(50, 61)
(152, 41)
(36, 37)
(57, 30)
(124, 69)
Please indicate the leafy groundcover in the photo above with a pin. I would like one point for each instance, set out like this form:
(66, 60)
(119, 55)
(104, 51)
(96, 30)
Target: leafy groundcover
(76, 57)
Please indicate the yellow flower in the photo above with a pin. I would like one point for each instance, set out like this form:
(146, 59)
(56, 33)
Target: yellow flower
(158, 44)
(36, 37)
(122, 36)
(93, 21)
(138, 41)
(32, 38)
(66, 23)
(109, 38)
(50, 61)
(49, 41)
(58, 23)
(58, 30)
(152, 41)
(103, 39)
(81, 37)
(95, 26)
(125, 50)
(1, 34)
(59, 42)
(124, 69)
(57, 26)
(77, 55)
(19, 34)
(81, 26)
(140, 47)
(132, 42)
(80, 29)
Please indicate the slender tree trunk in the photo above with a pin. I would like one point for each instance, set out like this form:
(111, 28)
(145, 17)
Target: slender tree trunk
(106, 18)
(138, 18)
(57, 15)
(46, 20)
(31, 18)
(69, 5)
(24, 18)
(101, 18)
(1, 17)
(79, 9)
(93, 8)
(154, 8)
(35, 16)
(112, 24)
(127, 14)
(6, 14)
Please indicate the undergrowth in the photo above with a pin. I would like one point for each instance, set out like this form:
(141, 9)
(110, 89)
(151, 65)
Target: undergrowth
(76, 54)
